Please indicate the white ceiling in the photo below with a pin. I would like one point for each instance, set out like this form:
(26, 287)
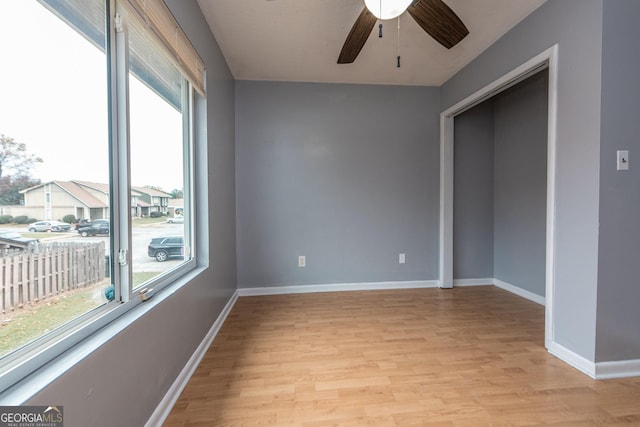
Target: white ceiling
(299, 40)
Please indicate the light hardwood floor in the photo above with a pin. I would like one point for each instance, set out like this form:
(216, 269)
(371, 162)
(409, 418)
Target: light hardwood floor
(423, 357)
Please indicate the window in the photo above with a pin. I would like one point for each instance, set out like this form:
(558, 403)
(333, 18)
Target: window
(157, 154)
(96, 111)
(55, 103)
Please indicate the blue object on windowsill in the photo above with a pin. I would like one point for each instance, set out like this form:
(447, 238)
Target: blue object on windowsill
(110, 293)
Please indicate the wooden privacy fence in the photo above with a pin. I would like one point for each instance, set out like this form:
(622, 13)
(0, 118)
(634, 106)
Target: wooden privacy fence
(50, 270)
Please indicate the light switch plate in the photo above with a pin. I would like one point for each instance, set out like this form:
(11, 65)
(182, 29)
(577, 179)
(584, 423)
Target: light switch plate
(622, 160)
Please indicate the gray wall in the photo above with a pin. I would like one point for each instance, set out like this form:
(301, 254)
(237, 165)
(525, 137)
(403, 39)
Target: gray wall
(346, 175)
(619, 250)
(576, 26)
(122, 382)
(520, 126)
(473, 193)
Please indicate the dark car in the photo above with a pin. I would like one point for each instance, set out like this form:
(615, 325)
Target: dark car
(98, 226)
(87, 223)
(82, 223)
(163, 248)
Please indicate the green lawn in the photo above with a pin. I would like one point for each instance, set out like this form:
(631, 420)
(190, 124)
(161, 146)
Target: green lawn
(21, 326)
(147, 221)
(142, 276)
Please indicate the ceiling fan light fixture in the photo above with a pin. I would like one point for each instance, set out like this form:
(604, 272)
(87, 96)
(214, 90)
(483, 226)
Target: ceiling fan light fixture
(387, 9)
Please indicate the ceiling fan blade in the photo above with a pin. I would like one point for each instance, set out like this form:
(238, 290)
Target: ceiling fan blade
(439, 21)
(357, 37)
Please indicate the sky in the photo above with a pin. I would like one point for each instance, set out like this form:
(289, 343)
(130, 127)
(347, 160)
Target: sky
(53, 98)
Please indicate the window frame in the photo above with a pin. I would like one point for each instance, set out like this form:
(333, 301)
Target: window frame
(57, 344)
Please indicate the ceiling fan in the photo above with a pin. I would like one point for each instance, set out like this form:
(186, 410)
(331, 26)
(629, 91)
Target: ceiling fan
(434, 16)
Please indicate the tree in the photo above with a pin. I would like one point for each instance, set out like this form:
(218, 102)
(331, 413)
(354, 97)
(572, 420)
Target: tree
(176, 194)
(10, 188)
(14, 157)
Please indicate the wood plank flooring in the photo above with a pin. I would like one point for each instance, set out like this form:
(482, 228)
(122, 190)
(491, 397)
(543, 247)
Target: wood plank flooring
(419, 357)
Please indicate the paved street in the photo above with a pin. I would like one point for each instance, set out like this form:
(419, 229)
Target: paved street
(141, 236)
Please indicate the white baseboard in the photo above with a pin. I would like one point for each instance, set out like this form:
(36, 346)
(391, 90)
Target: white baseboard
(573, 359)
(618, 369)
(337, 287)
(599, 370)
(474, 282)
(165, 406)
(519, 291)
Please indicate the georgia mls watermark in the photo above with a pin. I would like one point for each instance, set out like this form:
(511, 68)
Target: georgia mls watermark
(31, 416)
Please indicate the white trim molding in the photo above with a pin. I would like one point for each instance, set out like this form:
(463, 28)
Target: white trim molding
(337, 287)
(474, 282)
(519, 291)
(165, 406)
(574, 359)
(618, 369)
(502, 285)
(597, 370)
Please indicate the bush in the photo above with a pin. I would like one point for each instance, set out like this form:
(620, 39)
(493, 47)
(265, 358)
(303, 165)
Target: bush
(22, 219)
(69, 219)
(5, 219)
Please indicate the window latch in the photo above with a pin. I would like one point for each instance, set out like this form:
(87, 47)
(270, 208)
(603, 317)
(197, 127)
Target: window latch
(118, 23)
(122, 257)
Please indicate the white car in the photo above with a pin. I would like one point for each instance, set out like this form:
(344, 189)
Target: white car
(49, 226)
(178, 219)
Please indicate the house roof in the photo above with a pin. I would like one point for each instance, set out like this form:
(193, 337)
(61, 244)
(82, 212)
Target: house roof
(78, 189)
(104, 188)
(98, 186)
(151, 192)
(75, 190)
(82, 194)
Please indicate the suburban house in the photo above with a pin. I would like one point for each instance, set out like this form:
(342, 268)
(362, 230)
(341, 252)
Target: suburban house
(530, 190)
(84, 200)
(146, 200)
(55, 199)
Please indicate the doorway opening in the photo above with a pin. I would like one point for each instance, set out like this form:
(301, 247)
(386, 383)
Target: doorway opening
(545, 60)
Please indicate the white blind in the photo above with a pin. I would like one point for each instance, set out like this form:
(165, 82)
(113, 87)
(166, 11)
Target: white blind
(159, 19)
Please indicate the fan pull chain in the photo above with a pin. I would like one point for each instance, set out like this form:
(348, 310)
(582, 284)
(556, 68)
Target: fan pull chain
(398, 47)
(380, 26)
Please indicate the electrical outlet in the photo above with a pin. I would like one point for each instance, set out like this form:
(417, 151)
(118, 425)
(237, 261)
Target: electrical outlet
(302, 261)
(401, 259)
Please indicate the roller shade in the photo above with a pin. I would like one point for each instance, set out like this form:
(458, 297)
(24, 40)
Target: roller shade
(87, 17)
(159, 19)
